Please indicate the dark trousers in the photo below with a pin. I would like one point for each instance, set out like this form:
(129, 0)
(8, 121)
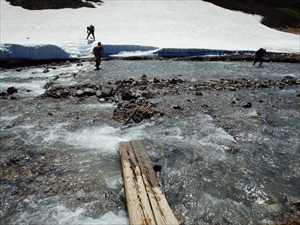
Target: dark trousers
(258, 59)
(98, 61)
(91, 33)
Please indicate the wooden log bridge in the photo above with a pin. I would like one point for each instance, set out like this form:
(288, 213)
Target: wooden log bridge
(146, 203)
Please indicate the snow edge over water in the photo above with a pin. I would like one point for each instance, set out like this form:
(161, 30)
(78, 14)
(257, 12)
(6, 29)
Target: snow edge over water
(38, 52)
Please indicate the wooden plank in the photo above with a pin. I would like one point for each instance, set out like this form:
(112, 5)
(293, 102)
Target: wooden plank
(162, 212)
(147, 196)
(136, 195)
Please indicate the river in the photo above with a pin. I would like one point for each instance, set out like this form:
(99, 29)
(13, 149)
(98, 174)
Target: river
(60, 160)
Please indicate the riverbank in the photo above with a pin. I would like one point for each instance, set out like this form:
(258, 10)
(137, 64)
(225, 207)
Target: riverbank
(284, 58)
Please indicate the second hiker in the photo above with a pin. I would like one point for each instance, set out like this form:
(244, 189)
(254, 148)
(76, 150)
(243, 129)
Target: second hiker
(90, 31)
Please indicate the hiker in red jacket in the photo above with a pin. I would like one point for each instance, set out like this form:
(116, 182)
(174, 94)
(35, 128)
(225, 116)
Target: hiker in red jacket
(98, 51)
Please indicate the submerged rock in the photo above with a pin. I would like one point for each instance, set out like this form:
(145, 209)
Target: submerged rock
(230, 149)
(136, 112)
(12, 90)
(246, 104)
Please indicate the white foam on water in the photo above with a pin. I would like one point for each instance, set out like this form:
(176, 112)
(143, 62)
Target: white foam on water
(92, 106)
(217, 208)
(114, 182)
(209, 138)
(22, 74)
(52, 71)
(170, 134)
(65, 216)
(65, 81)
(288, 91)
(46, 212)
(211, 151)
(198, 133)
(251, 113)
(43, 135)
(23, 131)
(7, 121)
(217, 135)
(104, 138)
(8, 118)
(244, 114)
(32, 88)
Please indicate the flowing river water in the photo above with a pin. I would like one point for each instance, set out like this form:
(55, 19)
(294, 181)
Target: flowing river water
(60, 162)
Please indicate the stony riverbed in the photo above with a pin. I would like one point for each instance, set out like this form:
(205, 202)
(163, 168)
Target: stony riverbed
(26, 172)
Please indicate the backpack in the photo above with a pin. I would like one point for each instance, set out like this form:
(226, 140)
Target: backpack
(260, 52)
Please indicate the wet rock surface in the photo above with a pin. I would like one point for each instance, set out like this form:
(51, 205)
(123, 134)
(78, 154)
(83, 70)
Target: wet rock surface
(136, 99)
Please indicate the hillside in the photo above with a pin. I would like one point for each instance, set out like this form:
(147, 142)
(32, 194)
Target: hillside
(279, 14)
(52, 4)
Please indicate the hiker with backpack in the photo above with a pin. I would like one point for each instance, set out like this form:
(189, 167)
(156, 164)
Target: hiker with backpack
(91, 31)
(259, 56)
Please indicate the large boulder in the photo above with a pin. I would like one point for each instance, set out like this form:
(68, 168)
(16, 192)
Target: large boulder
(79, 93)
(89, 91)
(127, 95)
(106, 91)
(65, 93)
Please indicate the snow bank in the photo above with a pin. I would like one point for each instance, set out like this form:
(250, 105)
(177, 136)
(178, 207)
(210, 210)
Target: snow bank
(177, 52)
(137, 28)
(15, 51)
